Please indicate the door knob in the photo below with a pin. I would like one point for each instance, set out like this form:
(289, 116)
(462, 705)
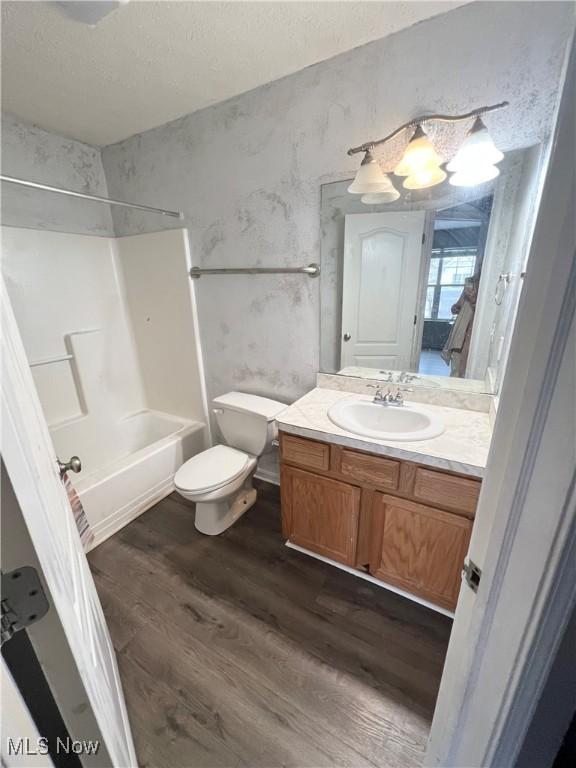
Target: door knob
(74, 465)
(347, 337)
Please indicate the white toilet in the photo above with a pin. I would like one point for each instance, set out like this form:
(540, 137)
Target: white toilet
(219, 480)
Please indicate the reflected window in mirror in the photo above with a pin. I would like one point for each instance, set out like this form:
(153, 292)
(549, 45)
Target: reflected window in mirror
(456, 259)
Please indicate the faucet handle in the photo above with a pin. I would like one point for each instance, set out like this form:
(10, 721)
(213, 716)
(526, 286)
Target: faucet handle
(378, 396)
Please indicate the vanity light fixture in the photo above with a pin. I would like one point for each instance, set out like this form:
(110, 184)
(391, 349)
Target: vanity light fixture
(474, 163)
(420, 163)
(370, 178)
(427, 177)
(376, 198)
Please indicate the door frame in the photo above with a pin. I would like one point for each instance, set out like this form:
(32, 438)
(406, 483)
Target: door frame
(422, 286)
(505, 637)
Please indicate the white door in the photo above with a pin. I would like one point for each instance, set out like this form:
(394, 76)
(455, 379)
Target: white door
(382, 256)
(30, 461)
(505, 635)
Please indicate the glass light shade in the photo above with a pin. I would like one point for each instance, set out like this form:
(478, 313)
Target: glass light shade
(478, 150)
(474, 176)
(381, 197)
(370, 178)
(428, 177)
(418, 155)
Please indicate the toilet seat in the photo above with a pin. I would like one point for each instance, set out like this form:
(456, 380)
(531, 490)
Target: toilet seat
(212, 469)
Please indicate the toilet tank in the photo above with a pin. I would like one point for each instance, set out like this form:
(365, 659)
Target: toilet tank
(247, 422)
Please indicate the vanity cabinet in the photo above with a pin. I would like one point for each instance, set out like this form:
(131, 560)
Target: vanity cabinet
(320, 514)
(418, 548)
(406, 524)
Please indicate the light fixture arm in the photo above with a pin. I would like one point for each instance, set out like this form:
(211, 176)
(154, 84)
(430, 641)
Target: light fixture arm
(425, 119)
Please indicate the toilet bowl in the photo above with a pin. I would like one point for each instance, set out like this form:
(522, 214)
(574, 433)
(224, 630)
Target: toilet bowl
(219, 480)
(213, 480)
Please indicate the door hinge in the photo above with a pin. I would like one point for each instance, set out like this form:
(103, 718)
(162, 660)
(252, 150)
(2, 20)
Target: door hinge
(423, 237)
(415, 319)
(472, 574)
(23, 600)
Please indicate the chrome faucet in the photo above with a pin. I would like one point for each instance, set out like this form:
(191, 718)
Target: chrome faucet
(388, 398)
(406, 378)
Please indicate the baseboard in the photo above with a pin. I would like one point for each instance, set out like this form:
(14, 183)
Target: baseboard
(113, 523)
(267, 477)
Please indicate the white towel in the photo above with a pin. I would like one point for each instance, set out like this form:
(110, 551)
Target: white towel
(86, 535)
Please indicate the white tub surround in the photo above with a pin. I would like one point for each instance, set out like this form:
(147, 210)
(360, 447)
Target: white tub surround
(462, 447)
(161, 303)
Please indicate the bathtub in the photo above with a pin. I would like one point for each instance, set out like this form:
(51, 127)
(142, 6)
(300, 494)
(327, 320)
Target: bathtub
(127, 466)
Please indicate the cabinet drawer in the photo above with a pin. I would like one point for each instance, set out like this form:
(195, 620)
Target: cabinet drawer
(372, 470)
(306, 453)
(448, 491)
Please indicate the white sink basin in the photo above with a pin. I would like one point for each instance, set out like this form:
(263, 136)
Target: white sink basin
(385, 422)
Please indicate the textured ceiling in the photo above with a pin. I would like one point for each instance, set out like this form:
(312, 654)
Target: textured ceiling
(151, 62)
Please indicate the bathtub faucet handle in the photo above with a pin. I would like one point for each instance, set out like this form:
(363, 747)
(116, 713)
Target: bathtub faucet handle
(74, 465)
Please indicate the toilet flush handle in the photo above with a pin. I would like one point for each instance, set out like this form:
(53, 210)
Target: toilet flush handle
(216, 411)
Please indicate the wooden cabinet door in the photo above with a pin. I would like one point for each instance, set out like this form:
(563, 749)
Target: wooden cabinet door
(418, 548)
(320, 514)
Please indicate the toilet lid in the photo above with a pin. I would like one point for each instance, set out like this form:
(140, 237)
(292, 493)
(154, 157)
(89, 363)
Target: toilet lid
(211, 469)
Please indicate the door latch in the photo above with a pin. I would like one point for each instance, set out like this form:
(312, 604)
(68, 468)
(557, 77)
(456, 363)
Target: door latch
(23, 600)
(472, 575)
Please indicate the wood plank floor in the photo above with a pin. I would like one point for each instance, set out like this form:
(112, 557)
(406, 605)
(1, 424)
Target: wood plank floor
(237, 651)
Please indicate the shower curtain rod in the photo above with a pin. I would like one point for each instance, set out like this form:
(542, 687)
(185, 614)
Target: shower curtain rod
(95, 198)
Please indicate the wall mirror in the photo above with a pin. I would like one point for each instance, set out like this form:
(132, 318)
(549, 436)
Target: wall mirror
(424, 290)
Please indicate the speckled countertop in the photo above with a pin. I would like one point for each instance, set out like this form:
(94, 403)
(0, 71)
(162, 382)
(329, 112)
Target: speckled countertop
(462, 447)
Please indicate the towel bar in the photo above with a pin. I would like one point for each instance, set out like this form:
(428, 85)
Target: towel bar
(312, 270)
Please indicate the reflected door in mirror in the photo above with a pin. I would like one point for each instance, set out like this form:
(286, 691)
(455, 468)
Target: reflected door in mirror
(382, 266)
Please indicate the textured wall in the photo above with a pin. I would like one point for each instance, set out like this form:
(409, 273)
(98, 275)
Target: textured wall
(247, 173)
(30, 153)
